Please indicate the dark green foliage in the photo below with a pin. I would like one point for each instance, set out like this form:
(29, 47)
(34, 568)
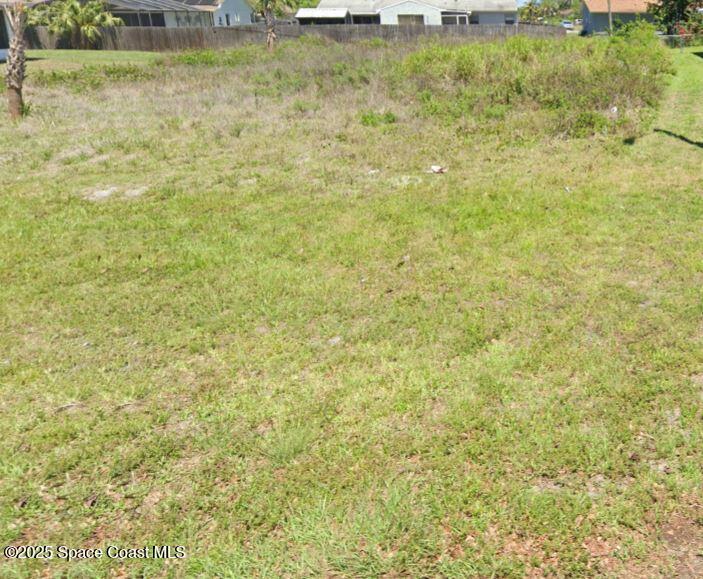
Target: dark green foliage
(677, 16)
(81, 23)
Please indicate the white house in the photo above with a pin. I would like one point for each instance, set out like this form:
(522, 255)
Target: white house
(225, 12)
(412, 12)
(419, 12)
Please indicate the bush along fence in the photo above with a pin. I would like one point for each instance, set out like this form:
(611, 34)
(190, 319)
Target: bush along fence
(175, 39)
(682, 40)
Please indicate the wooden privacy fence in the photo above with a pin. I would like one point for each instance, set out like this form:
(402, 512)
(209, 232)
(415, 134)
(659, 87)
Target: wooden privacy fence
(177, 39)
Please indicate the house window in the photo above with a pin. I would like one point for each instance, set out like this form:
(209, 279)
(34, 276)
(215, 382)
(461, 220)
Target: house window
(227, 20)
(411, 20)
(366, 19)
(509, 20)
(128, 18)
(158, 19)
(473, 19)
(219, 20)
(454, 19)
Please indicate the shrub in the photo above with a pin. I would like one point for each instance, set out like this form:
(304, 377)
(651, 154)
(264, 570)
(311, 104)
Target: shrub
(197, 57)
(81, 23)
(346, 73)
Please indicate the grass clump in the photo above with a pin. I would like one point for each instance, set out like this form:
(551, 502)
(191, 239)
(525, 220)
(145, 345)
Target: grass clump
(294, 66)
(242, 55)
(92, 76)
(571, 87)
(375, 119)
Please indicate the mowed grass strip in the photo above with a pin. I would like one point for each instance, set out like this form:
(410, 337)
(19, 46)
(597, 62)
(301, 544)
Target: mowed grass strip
(238, 317)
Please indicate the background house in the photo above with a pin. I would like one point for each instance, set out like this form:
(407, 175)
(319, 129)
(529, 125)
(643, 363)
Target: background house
(411, 12)
(161, 13)
(419, 12)
(225, 12)
(595, 13)
(493, 12)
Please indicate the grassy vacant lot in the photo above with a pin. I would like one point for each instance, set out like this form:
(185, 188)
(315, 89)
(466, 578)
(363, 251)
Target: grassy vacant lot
(239, 314)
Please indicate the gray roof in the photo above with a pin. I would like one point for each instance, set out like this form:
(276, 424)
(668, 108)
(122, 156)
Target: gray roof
(151, 6)
(354, 6)
(322, 13)
(374, 6)
(207, 5)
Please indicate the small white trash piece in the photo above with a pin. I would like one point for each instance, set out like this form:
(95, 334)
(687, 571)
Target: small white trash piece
(438, 169)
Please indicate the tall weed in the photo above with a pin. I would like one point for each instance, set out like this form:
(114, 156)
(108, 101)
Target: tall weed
(571, 87)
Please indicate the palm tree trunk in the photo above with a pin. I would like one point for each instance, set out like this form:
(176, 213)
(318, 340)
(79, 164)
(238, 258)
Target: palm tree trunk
(15, 103)
(610, 18)
(14, 75)
(270, 27)
(75, 38)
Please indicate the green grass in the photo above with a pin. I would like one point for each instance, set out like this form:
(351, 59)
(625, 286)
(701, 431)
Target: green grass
(71, 59)
(236, 318)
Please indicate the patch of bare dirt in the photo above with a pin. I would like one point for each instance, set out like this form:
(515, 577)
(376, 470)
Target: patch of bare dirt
(544, 484)
(598, 547)
(679, 553)
(683, 538)
(136, 192)
(100, 194)
(112, 191)
(530, 551)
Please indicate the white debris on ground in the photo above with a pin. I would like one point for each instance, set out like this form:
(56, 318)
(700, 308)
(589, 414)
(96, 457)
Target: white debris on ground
(108, 192)
(100, 194)
(137, 192)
